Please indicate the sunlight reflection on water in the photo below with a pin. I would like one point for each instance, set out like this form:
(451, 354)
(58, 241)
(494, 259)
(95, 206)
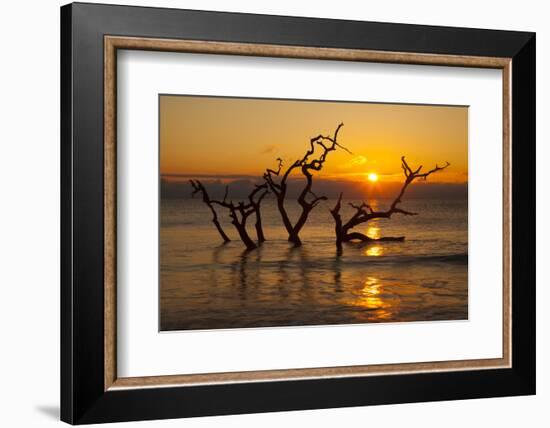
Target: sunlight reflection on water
(372, 298)
(374, 251)
(205, 284)
(373, 231)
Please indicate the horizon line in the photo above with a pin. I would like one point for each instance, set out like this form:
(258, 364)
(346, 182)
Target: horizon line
(353, 178)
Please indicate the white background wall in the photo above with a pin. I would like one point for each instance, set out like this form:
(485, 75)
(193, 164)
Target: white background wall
(29, 215)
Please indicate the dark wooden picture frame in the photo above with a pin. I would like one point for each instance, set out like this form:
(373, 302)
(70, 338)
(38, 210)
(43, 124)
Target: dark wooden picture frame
(90, 389)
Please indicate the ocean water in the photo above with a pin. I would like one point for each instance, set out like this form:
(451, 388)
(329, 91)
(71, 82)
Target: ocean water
(207, 285)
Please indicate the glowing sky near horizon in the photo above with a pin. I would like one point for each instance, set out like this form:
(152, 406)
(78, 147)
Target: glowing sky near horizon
(232, 137)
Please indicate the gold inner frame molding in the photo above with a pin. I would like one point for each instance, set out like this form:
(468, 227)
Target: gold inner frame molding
(113, 43)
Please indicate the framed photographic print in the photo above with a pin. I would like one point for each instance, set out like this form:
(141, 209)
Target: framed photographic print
(265, 213)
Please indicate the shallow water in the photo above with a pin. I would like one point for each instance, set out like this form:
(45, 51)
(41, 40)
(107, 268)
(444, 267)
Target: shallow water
(207, 285)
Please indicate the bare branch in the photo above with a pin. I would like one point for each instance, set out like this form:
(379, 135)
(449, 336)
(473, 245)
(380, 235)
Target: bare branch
(238, 212)
(199, 188)
(271, 171)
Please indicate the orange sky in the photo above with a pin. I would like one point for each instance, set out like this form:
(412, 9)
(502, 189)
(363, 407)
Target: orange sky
(212, 136)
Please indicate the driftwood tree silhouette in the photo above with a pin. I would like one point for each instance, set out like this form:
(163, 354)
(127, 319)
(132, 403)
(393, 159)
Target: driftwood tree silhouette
(238, 212)
(307, 198)
(364, 213)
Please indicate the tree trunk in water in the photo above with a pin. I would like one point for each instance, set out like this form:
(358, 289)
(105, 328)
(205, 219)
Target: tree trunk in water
(258, 225)
(295, 239)
(243, 234)
(295, 235)
(339, 249)
(256, 206)
(284, 215)
(292, 233)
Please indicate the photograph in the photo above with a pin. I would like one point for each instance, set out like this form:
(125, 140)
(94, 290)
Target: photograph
(284, 212)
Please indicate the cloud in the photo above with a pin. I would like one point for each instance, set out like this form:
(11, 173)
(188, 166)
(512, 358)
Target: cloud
(270, 148)
(356, 161)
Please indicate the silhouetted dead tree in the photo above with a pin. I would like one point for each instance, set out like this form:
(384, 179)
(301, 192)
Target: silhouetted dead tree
(364, 212)
(240, 212)
(199, 188)
(307, 199)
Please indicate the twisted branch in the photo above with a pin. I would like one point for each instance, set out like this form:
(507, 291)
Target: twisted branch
(238, 212)
(199, 188)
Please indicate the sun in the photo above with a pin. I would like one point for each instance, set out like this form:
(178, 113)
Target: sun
(373, 177)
